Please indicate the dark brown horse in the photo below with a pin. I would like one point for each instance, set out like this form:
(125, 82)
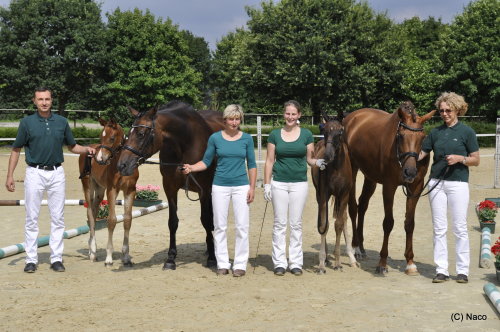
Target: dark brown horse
(104, 176)
(335, 180)
(180, 134)
(385, 148)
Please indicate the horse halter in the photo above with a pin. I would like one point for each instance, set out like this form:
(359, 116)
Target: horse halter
(402, 157)
(146, 142)
(112, 150)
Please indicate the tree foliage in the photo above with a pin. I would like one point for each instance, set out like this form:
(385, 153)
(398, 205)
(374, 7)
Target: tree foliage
(331, 54)
(472, 56)
(54, 43)
(148, 63)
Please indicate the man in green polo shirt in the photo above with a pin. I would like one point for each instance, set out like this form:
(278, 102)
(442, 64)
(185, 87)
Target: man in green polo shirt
(43, 135)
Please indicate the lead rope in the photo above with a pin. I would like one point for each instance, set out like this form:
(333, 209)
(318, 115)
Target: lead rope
(258, 242)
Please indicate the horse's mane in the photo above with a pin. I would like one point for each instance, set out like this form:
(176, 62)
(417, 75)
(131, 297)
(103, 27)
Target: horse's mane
(175, 105)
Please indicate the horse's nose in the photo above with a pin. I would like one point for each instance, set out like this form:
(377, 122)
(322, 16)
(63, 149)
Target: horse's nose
(409, 174)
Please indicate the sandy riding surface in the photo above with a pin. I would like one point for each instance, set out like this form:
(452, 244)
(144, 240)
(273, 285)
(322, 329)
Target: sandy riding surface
(91, 297)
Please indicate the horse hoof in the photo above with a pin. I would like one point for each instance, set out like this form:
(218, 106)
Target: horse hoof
(338, 268)
(321, 271)
(169, 266)
(356, 264)
(412, 272)
(107, 264)
(211, 262)
(381, 270)
(128, 264)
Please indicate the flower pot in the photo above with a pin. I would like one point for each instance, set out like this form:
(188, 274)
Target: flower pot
(490, 225)
(145, 203)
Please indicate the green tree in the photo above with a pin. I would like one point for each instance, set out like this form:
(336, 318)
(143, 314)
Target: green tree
(53, 43)
(472, 57)
(332, 54)
(149, 63)
(199, 53)
(421, 69)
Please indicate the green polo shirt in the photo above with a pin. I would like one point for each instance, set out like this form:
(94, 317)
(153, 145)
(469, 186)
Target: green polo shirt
(443, 140)
(290, 164)
(43, 138)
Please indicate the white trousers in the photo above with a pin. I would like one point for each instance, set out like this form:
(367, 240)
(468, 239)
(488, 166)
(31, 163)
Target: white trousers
(452, 196)
(37, 182)
(288, 199)
(221, 196)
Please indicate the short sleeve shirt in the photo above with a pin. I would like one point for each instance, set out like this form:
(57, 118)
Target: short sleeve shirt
(443, 140)
(231, 157)
(43, 138)
(290, 164)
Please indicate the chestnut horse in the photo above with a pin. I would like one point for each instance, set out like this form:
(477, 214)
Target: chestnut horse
(385, 148)
(103, 176)
(335, 180)
(180, 134)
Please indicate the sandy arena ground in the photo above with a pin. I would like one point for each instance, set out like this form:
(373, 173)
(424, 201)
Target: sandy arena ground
(91, 297)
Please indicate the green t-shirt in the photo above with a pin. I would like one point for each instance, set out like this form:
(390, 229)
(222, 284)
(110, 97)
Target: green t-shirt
(290, 164)
(43, 138)
(443, 140)
(231, 157)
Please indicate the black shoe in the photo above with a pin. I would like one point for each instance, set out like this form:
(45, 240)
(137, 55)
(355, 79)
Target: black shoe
(440, 278)
(279, 271)
(30, 268)
(462, 279)
(57, 266)
(296, 271)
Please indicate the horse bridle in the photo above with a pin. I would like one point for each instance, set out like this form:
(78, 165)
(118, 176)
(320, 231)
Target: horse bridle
(143, 159)
(150, 137)
(112, 150)
(403, 157)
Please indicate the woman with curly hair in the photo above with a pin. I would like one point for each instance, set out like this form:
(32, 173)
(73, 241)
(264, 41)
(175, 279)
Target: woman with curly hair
(455, 149)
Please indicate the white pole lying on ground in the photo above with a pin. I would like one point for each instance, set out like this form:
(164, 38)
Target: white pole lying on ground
(44, 240)
(485, 259)
(68, 202)
(493, 295)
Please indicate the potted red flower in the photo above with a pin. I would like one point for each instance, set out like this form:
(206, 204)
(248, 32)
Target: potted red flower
(103, 211)
(495, 250)
(486, 212)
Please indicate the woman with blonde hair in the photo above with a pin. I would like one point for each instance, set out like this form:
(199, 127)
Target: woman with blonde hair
(232, 148)
(455, 149)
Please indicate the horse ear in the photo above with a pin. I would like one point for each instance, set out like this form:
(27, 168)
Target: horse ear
(132, 111)
(102, 122)
(340, 115)
(325, 116)
(427, 116)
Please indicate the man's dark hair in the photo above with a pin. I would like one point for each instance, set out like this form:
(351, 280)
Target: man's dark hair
(42, 89)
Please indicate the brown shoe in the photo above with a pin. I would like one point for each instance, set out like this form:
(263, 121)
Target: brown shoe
(221, 272)
(238, 273)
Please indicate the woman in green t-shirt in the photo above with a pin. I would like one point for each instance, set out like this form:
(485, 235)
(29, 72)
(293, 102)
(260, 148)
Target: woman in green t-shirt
(455, 149)
(289, 150)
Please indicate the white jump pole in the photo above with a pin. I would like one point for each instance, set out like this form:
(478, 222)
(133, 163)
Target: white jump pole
(44, 240)
(493, 295)
(67, 202)
(485, 261)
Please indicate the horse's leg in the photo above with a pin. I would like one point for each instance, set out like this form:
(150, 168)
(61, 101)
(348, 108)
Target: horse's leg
(339, 227)
(347, 237)
(388, 195)
(111, 195)
(353, 213)
(127, 224)
(411, 203)
(89, 193)
(173, 224)
(207, 220)
(322, 225)
(97, 196)
(364, 199)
